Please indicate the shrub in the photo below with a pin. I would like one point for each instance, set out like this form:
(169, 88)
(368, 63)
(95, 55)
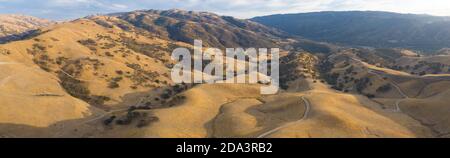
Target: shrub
(109, 54)
(61, 60)
(331, 78)
(109, 120)
(179, 88)
(90, 43)
(284, 86)
(113, 85)
(337, 88)
(151, 50)
(114, 82)
(87, 42)
(128, 119)
(165, 96)
(75, 88)
(54, 39)
(362, 84)
(384, 88)
(98, 100)
(349, 70)
(370, 96)
(142, 123)
(39, 47)
(145, 122)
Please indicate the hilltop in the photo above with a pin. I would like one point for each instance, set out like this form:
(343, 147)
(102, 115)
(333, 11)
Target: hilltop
(14, 27)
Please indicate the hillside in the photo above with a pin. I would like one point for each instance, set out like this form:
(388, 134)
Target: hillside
(422, 98)
(372, 29)
(239, 111)
(14, 27)
(99, 66)
(215, 31)
(109, 76)
(94, 68)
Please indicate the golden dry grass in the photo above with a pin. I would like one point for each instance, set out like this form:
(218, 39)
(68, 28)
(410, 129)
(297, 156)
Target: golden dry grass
(32, 97)
(334, 114)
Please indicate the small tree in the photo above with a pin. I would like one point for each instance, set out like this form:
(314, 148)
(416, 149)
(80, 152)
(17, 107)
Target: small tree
(108, 121)
(370, 96)
(384, 88)
(113, 85)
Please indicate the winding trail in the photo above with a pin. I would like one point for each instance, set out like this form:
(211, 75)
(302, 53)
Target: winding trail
(73, 77)
(405, 97)
(7, 63)
(305, 115)
(111, 112)
(58, 134)
(400, 91)
(62, 131)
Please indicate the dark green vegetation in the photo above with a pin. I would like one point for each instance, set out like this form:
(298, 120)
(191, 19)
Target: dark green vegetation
(78, 89)
(69, 75)
(384, 88)
(41, 57)
(132, 116)
(295, 66)
(375, 29)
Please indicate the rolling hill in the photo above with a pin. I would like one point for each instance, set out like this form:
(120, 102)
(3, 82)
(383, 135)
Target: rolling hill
(104, 65)
(109, 76)
(423, 98)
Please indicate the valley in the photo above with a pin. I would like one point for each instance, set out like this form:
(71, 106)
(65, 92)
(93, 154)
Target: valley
(108, 76)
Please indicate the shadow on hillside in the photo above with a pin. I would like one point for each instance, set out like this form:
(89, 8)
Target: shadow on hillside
(55, 130)
(418, 131)
(271, 112)
(416, 84)
(94, 125)
(21, 36)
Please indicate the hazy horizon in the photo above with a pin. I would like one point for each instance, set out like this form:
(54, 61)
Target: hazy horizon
(106, 13)
(71, 9)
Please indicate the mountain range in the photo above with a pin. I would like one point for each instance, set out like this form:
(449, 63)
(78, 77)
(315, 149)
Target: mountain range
(109, 76)
(367, 28)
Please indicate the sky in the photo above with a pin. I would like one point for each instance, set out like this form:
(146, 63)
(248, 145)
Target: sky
(71, 9)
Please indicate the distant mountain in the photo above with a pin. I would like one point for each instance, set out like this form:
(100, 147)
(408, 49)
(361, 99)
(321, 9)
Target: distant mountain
(214, 30)
(373, 29)
(14, 27)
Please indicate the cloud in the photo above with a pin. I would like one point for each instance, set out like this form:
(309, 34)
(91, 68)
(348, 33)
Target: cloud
(68, 9)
